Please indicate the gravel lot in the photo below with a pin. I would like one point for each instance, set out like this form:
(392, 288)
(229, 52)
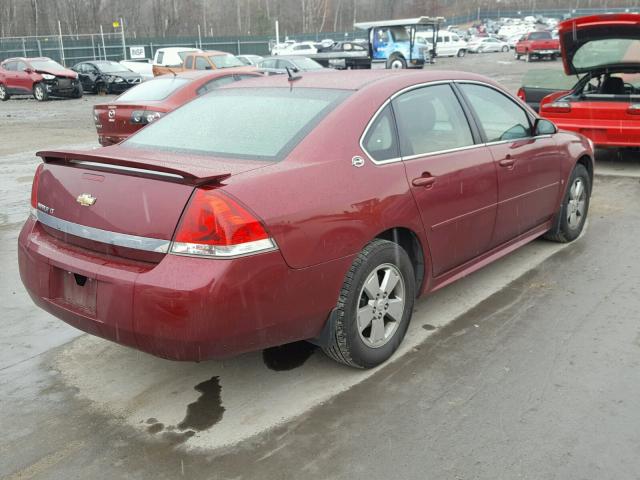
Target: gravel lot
(526, 369)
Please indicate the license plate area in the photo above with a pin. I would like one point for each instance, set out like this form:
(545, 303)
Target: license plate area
(73, 290)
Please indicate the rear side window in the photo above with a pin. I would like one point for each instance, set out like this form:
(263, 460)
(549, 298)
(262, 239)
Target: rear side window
(10, 66)
(540, 36)
(160, 58)
(380, 141)
(431, 119)
(257, 123)
(500, 117)
(215, 83)
(156, 89)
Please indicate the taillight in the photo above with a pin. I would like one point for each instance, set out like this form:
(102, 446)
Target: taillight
(634, 109)
(522, 95)
(34, 186)
(558, 107)
(142, 117)
(215, 225)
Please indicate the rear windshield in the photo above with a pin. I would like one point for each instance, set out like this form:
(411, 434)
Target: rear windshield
(224, 61)
(257, 123)
(611, 51)
(540, 36)
(306, 64)
(156, 89)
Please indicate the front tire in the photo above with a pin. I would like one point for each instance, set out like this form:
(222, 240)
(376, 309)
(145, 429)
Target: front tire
(40, 93)
(374, 306)
(528, 57)
(462, 52)
(505, 48)
(573, 211)
(77, 93)
(396, 63)
(517, 55)
(4, 96)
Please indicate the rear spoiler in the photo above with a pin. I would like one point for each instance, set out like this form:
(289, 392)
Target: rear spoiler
(167, 171)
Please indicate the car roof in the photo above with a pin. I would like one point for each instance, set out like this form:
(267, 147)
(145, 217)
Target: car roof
(218, 72)
(179, 49)
(213, 52)
(393, 80)
(25, 59)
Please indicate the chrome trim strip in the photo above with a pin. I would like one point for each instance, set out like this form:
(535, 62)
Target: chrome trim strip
(104, 236)
(125, 169)
(451, 150)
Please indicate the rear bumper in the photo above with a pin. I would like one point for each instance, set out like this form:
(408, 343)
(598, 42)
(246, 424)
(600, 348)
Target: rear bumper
(603, 133)
(183, 308)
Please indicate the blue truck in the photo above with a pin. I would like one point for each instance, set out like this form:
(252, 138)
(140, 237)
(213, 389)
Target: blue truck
(405, 43)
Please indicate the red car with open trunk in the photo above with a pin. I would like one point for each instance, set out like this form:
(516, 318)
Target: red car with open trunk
(604, 105)
(117, 120)
(312, 207)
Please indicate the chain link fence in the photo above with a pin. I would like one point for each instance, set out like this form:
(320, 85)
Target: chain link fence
(71, 49)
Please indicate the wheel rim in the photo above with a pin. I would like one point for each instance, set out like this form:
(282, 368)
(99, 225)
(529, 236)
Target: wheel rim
(577, 205)
(3, 92)
(396, 65)
(39, 92)
(381, 305)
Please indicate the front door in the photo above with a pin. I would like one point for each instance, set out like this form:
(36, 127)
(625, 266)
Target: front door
(452, 178)
(529, 167)
(23, 81)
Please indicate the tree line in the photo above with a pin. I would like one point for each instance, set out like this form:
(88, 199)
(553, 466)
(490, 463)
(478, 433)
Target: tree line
(164, 18)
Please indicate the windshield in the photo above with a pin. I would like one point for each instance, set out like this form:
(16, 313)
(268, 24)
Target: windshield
(306, 64)
(183, 55)
(111, 67)
(156, 89)
(611, 51)
(46, 65)
(260, 123)
(552, 79)
(225, 61)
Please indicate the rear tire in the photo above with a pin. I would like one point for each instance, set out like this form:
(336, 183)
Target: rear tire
(528, 58)
(40, 93)
(78, 93)
(4, 96)
(374, 306)
(574, 208)
(517, 55)
(461, 53)
(102, 89)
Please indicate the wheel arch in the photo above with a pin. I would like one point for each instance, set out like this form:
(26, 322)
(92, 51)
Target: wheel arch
(587, 162)
(410, 242)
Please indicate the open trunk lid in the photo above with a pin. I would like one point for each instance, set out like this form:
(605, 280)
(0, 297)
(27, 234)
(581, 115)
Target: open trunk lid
(600, 41)
(122, 202)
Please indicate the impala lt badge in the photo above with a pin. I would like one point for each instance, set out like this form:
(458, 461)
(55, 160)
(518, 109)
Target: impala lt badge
(86, 199)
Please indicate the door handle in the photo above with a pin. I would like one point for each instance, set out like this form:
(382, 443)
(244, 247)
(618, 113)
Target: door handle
(426, 180)
(507, 162)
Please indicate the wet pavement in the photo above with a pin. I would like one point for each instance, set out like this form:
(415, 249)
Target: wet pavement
(525, 369)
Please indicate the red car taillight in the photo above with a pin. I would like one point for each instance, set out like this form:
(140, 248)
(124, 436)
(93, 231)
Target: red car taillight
(522, 95)
(557, 107)
(34, 186)
(215, 225)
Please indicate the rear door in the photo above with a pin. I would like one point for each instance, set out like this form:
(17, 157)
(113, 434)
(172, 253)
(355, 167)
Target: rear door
(10, 76)
(23, 80)
(452, 178)
(529, 168)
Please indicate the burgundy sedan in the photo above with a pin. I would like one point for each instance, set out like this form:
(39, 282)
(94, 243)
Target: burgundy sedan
(117, 120)
(315, 208)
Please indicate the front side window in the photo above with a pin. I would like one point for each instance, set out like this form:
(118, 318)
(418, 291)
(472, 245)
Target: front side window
(431, 119)
(500, 117)
(22, 67)
(380, 141)
(252, 124)
(202, 64)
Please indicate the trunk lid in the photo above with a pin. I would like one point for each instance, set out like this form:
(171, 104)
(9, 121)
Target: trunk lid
(600, 41)
(115, 118)
(123, 202)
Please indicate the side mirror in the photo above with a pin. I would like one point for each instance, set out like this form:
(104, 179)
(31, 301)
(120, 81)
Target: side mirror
(295, 69)
(544, 127)
(29, 70)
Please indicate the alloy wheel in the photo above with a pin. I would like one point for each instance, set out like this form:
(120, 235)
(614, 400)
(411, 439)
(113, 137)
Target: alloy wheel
(396, 65)
(39, 93)
(3, 92)
(576, 206)
(381, 305)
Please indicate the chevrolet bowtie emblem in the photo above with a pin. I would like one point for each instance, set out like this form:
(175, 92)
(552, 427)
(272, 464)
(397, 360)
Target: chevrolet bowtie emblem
(86, 199)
